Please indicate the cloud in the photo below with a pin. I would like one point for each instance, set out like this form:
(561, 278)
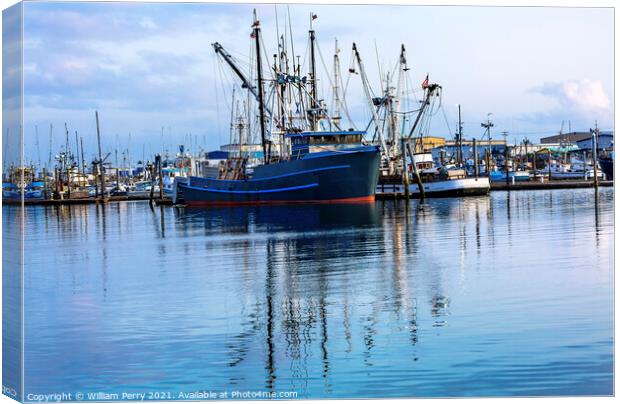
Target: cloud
(585, 97)
(148, 23)
(147, 65)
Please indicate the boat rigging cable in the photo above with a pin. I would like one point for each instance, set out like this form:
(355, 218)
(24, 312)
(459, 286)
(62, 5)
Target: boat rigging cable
(369, 96)
(341, 103)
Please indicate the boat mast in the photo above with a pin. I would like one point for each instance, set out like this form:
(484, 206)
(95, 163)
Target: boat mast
(261, 106)
(460, 140)
(232, 120)
(366, 86)
(313, 92)
(49, 158)
(336, 108)
(395, 116)
(77, 152)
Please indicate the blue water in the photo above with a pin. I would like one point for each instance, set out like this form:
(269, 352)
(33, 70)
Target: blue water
(505, 295)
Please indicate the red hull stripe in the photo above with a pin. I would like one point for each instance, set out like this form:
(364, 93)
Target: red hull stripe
(362, 199)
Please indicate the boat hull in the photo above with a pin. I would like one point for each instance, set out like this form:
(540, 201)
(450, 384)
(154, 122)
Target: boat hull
(499, 176)
(575, 175)
(607, 165)
(440, 189)
(327, 177)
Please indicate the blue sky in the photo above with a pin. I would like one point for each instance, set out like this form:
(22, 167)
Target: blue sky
(147, 66)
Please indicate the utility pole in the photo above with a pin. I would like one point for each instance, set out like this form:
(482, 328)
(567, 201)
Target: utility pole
(488, 125)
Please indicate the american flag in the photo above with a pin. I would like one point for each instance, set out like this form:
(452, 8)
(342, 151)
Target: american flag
(425, 82)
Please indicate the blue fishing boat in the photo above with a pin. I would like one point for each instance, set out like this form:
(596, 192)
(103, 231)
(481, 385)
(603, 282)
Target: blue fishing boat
(35, 190)
(341, 175)
(10, 191)
(302, 161)
(496, 176)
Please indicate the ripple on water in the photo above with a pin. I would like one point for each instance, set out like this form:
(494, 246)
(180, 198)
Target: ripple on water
(489, 296)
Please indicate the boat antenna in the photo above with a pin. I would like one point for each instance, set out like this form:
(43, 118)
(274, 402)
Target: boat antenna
(261, 106)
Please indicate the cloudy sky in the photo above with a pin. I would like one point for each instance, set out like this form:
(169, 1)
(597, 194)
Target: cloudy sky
(147, 66)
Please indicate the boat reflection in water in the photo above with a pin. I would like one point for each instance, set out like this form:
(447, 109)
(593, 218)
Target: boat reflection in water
(321, 285)
(279, 218)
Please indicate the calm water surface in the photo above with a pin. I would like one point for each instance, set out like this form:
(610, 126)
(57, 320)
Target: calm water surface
(510, 294)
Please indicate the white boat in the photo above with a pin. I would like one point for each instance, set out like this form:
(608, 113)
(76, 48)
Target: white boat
(141, 189)
(573, 171)
(449, 181)
(443, 181)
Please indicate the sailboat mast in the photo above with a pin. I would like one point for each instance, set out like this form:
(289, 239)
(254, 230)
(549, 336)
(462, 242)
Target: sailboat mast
(36, 131)
(259, 72)
(460, 143)
(49, 158)
(82, 154)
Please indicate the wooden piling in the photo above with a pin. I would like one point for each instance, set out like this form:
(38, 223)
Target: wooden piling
(68, 182)
(405, 168)
(96, 177)
(487, 162)
(45, 193)
(152, 168)
(595, 156)
(161, 181)
(506, 165)
(415, 171)
(476, 170)
(549, 162)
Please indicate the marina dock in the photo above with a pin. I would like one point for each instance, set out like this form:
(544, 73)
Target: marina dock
(83, 201)
(561, 184)
(517, 186)
(166, 201)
